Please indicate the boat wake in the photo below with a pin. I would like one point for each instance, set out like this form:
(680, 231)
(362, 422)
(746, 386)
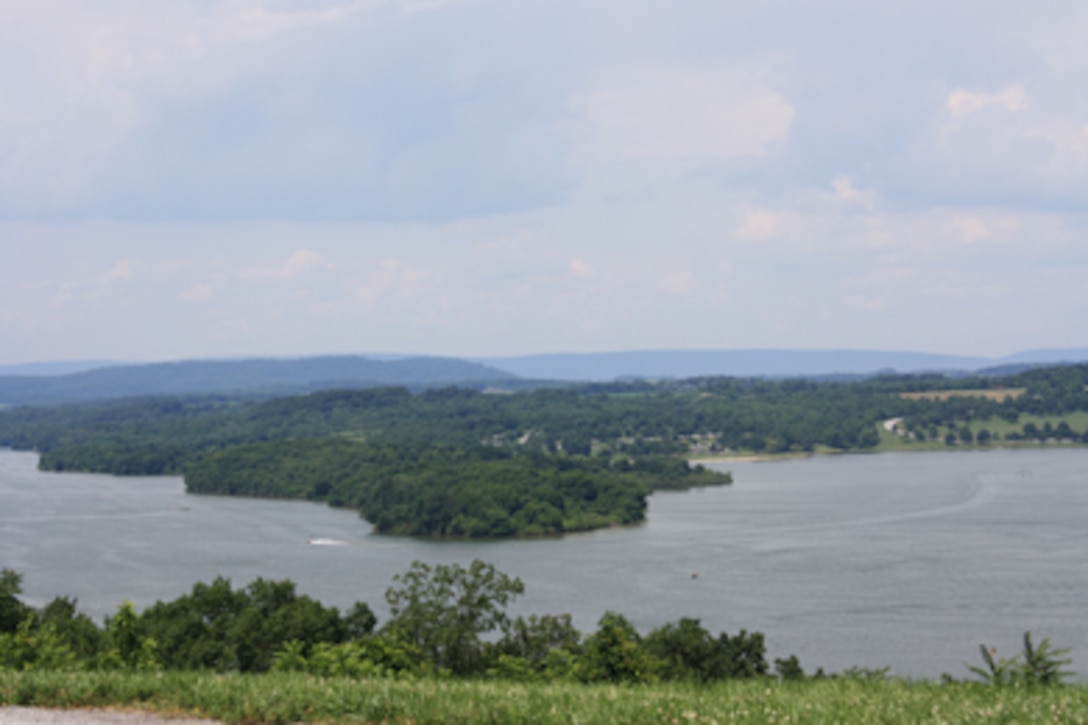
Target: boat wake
(319, 541)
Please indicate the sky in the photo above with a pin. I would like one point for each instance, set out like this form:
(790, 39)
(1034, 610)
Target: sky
(218, 178)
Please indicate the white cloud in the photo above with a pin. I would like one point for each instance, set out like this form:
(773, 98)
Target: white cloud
(916, 234)
(409, 286)
(843, 190)
(91, 76)
(1057, 37)
(596, 194)
(97, 287)
(683, 283)
(411, 7)
(760, 224)
(971, 228)
(865, 304)
(1068, 137)
(667, 113)
(887, 285)
(1002, 141)
(517, 247)
(962, 103)
(198, 293)
(300, 262)
(581, 269)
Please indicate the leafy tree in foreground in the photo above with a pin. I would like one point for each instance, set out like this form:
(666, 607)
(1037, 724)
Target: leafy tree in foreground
(536, 638)
(219, 628)
(684, 648)
(443, 610)
(12, 611)
(687, 651)
(614, 653)
(130, 647)
(75, 629)
(30, 648)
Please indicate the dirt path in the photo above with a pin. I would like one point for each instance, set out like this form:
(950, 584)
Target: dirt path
(44, 716)
(890, 423)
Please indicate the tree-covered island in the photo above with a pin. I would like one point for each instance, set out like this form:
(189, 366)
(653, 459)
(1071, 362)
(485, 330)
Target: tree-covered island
(444, 491)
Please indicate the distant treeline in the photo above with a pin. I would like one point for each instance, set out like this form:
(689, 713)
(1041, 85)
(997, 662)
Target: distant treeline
(162, 435)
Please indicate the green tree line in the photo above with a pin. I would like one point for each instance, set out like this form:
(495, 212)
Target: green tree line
(446, 620)
(154, 436)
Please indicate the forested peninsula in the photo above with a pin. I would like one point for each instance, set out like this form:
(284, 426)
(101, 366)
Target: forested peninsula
(481, 492)
(455, 462)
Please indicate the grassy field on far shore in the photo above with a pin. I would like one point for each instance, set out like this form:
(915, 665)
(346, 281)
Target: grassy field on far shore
(997, 394)
(892, 441)
(1077, 421)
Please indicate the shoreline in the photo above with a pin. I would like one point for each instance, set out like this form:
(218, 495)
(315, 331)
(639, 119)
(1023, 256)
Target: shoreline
(772, 457)
(747, 458)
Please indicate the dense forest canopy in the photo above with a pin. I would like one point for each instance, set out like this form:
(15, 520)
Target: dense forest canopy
(161, 435)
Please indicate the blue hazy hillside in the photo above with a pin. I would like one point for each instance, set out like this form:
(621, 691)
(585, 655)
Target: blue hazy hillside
(55, 368)
(241, 376)
(59, 382)
(761, 363)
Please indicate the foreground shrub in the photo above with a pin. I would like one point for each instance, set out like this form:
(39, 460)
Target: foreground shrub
(1035, 666)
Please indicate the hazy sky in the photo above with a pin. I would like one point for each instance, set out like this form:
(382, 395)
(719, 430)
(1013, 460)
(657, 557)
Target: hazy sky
(204, 178)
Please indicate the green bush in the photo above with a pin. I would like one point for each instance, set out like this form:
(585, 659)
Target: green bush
(1034, 666)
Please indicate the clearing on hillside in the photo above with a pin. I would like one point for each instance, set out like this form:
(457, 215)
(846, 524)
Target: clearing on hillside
(996, 394)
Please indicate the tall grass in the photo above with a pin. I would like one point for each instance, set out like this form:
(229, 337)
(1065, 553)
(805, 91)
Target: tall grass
(282, 698)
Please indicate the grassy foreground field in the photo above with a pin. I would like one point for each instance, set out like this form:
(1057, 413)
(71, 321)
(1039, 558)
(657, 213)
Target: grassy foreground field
(293, 698)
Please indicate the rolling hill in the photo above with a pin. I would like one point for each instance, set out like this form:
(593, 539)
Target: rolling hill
(259, 376)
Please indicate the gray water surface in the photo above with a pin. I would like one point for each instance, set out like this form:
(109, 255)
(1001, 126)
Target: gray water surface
(905, 560)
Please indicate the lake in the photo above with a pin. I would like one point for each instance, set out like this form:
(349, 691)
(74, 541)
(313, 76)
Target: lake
(904, 560)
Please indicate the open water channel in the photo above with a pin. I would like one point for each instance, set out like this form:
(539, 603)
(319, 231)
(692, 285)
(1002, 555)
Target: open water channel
(905, 560)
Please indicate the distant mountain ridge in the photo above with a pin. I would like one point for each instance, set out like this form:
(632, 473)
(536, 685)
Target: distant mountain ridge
(607, 366)
(56, 368)
(243, 376)
(49, 383)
